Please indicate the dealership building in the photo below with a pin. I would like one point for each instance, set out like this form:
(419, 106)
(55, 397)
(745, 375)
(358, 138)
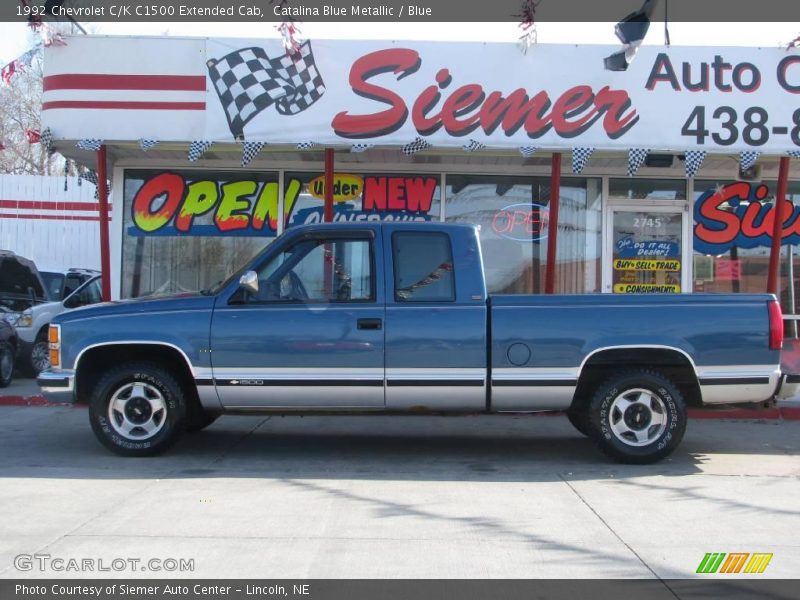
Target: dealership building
(661, 178)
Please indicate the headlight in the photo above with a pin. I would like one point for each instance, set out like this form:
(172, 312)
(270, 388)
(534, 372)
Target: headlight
(25, 320)
(11, 318)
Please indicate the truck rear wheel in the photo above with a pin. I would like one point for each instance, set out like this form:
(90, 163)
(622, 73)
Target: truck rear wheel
(137, 409)
(637, 416)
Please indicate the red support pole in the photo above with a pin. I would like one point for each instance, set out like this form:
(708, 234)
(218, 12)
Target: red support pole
(552, 226)
(777, 228)
(102, 194)
(329, 185)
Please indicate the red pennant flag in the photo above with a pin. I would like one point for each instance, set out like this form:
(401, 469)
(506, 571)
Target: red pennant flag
(8, 72)
(33, 136)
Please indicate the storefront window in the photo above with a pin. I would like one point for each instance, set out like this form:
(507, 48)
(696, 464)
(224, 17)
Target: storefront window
(185, 231)
(513, 213)
(732, 238)
(364, 197)
(630, 188)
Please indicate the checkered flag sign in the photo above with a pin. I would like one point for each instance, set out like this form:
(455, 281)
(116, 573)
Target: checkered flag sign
(415, 146)
(250, 150)
(306, 145)
(198, 148)
(694, 159)
(636, 158)
(91, 176)
(528, 151)
(747, 159)
(580, 156)
(248, 81)
(46, 140)
(360, 147)
(473, 146)
(794, 153)
(146, 144)
(90, 144)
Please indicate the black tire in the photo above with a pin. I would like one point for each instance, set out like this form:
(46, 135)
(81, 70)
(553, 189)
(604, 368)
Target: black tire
(578, 416)
(7, 356)
(198, 419)
(29, 366)
(650, 399)
(156, 383)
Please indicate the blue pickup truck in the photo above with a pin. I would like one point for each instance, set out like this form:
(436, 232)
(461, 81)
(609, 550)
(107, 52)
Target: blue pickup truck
(395, 319)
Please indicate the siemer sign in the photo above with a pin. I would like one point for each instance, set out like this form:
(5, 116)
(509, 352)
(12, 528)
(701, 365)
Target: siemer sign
(390, 93)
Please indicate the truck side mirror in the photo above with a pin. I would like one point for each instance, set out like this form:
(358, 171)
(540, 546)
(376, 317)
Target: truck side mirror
(249, 282)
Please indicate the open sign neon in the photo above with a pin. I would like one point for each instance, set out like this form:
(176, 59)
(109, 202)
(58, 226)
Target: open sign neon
(525, 222)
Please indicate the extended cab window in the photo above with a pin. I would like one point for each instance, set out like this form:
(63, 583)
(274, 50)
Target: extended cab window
(423, 267)
(319, 270)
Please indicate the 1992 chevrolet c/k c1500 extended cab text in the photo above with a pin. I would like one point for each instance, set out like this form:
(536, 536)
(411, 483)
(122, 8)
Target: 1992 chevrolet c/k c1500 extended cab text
(394, 318)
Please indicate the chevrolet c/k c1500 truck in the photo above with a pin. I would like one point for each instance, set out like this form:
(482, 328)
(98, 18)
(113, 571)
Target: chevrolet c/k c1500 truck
(394, 318)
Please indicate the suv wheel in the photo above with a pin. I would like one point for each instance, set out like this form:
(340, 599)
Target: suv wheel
(137, 409)
(637, 417)
(39, 359)
(6, 364)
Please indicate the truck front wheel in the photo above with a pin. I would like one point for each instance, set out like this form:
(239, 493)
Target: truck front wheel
(637, 416)
(137, 409)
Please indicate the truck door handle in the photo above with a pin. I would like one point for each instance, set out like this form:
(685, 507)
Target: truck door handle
(370, 323)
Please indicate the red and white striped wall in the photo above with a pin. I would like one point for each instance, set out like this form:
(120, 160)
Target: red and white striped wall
(56, 229)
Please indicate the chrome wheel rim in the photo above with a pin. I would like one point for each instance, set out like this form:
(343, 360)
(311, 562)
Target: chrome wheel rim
(40, 356)
(6, 364)
(637, 417)
(137, 411)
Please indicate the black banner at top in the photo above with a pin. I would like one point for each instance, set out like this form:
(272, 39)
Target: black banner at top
(710, 11)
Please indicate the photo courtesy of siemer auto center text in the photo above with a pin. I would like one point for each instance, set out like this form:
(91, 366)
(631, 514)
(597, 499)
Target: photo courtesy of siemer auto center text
(444, 300)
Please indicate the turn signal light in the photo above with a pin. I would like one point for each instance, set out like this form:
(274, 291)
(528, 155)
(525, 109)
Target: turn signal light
(54, 337)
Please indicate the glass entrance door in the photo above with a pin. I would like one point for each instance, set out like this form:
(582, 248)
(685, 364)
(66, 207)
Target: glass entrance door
(645, 251)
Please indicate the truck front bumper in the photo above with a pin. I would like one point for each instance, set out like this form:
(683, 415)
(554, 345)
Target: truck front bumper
(57, 386)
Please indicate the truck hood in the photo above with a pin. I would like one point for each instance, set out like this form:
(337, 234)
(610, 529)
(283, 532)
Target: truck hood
(149, 304)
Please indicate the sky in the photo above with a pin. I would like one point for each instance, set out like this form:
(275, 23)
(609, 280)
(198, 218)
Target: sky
(15, 38)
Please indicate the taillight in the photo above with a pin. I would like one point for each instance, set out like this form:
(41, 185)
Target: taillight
(54, 339)
(775, 325)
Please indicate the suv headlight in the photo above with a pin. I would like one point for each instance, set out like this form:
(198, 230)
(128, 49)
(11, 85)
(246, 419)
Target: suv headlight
(25, 319)
(11, 318)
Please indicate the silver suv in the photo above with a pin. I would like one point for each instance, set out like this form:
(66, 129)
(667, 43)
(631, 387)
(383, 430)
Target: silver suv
(34, 322)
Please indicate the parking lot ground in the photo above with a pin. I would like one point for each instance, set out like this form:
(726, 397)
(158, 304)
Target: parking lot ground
(413, 497)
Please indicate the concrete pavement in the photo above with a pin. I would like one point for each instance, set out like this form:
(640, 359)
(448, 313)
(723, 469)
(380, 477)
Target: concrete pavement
(397, 497)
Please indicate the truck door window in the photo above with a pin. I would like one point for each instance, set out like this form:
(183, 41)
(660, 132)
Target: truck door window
(319, 271)
(423, 267)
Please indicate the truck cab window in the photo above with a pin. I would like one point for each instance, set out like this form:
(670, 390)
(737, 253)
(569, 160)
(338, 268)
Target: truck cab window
(423, 267)
(319, 271)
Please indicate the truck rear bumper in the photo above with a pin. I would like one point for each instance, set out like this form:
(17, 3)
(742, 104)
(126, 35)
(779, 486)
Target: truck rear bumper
(789, 387)
(57, 386)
